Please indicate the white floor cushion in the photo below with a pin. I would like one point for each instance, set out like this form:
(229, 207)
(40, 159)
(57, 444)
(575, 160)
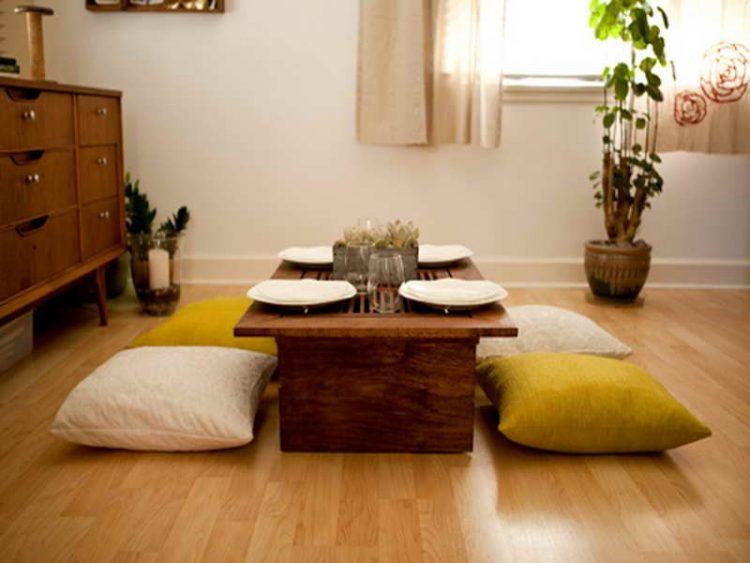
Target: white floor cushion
(542, 328)
(180, 398)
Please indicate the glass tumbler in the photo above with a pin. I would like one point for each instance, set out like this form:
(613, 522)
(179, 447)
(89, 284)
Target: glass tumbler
(356, 261)
(385, 279)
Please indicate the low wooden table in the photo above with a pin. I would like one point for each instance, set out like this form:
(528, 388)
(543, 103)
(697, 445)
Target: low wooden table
(356, 381)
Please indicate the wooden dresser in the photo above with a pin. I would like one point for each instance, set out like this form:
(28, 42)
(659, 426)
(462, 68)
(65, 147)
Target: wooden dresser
(61, 190)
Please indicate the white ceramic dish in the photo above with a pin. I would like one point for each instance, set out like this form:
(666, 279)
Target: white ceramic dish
(308, 255)
(432, 255)
(301, 293)
(452, 293)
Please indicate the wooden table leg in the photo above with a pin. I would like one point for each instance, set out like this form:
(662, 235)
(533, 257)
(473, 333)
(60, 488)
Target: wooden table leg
(101, 295)
(376, 395)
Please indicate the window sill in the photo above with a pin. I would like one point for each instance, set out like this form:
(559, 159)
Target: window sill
(553, 90)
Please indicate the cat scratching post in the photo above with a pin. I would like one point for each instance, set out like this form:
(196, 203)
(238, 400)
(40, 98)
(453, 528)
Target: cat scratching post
(35, 36)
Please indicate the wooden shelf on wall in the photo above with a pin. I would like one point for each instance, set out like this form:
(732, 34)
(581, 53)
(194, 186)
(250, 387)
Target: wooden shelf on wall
(126, 6)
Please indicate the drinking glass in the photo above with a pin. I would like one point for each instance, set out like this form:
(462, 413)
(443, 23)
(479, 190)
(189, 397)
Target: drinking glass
(385, 279)
(356, 263)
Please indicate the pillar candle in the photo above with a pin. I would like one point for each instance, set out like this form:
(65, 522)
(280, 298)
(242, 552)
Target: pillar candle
(158, 268)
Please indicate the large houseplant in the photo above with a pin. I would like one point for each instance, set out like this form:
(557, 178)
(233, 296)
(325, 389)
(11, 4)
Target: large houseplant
(618, 267)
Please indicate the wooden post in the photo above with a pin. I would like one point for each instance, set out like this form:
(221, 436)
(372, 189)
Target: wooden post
(35, 37)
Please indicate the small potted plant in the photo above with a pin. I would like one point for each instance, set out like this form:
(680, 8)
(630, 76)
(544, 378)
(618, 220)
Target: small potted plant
(155, 257)
(618, 266)
(396, 236)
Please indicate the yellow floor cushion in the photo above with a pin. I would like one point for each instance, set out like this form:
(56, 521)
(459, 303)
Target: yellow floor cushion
(206, 323)
(585, 404)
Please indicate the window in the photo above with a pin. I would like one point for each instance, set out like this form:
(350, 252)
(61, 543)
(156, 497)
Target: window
(552, 39)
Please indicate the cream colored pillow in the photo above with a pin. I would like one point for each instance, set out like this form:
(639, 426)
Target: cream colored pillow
(542, 328)
(176, 398)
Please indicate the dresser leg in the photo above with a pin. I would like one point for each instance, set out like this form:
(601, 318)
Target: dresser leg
(101, 295)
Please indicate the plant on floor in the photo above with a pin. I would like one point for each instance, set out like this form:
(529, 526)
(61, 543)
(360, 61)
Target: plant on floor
(629, 177)
(139, 217)
(176, 223)
(154, 256)
(629, 114)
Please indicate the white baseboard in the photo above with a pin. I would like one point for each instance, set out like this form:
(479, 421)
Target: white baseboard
(513, 272)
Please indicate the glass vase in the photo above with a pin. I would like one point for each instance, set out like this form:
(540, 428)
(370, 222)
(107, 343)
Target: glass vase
(156, 265)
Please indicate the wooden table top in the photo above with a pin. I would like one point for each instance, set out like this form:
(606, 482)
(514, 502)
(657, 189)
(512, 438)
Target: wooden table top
(353, 319)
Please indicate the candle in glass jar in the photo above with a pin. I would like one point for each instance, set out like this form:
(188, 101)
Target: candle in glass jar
(158, 268)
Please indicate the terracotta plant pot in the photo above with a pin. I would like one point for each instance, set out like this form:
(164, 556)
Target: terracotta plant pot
(617, 272)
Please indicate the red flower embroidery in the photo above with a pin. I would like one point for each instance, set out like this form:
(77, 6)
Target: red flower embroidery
(725, 72)
(689, 108)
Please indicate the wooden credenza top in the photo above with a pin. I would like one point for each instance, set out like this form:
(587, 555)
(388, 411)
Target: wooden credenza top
(51, 86)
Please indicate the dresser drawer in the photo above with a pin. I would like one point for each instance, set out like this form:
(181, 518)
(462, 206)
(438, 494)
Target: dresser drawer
(34, 251)
(98, 120)
(100, 226)
(30, 119)
(36, 182)
(98, 173)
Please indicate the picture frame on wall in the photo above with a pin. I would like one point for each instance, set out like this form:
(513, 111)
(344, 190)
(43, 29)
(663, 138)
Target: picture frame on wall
(175, 6)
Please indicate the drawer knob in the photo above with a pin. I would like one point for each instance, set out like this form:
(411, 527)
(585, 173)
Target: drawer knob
(102, 112)
(32, 179)
(29, 115)
(101, 161)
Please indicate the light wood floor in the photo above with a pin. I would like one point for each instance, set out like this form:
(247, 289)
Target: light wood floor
(500, 503)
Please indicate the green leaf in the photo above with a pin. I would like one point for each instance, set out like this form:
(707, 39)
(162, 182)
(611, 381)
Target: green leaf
(640, 123)
(621, 89)
(653, 79)
(177, 223)
(663, 17)
(655, 157)
(647, 64)
(139, 216)
(594, 175)
(608, 120)
(654, 93)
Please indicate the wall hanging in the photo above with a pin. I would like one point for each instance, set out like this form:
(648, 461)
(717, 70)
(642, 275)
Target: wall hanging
(191, 6)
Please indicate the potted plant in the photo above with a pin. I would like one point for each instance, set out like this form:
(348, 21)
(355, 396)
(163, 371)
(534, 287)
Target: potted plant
(618, 266)
(396, 236)
(155, 257)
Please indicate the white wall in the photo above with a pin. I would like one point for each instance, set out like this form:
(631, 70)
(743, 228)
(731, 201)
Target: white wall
(248, 118)
(13, 33)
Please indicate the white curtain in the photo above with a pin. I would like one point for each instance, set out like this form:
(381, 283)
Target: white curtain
(430, 72)
(707, 106)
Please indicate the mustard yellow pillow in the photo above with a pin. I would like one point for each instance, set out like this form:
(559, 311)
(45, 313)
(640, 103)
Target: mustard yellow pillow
(585, 404)
(206, 323)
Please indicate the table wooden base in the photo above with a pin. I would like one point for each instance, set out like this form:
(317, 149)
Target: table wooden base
(376, 394)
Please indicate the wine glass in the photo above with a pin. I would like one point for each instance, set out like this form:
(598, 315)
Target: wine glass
(385, 278)
(356, 263)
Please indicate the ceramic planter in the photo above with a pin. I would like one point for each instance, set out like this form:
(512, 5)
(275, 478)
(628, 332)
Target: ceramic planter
(617, 272)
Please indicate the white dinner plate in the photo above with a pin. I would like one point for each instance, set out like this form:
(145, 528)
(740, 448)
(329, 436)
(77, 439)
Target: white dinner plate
(453, 293)
(308, 255)
(433, 255)
(301, 293)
